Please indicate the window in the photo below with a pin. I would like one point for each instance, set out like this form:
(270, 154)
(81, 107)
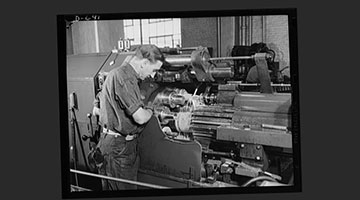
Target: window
(128, 22)
(161, 32)
(151, 21)
(162, 40)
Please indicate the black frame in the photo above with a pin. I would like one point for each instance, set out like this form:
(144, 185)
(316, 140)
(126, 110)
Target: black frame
(64, 139)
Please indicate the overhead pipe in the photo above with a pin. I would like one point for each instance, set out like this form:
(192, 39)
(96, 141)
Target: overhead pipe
(242, 26)
(250, 29)
(240, 31)
(246, 30)
(263, 22)
(218, 23)
(237, 30)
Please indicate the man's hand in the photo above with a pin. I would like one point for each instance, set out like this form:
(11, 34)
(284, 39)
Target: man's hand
(142, 115)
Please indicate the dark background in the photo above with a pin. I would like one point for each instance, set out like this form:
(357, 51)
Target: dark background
(327, 48)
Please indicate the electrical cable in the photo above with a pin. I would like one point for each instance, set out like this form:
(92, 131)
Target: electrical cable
(273, 58)
(284, 68)
(259, 178)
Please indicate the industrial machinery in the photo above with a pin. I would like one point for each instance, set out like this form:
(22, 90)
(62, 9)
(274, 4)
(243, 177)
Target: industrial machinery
(207, 130)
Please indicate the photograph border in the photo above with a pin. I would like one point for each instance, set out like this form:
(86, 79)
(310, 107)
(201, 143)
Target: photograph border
(63, 106)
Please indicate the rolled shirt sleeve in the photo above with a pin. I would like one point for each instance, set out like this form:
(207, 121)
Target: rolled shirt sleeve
(128, 94)
(96, 101)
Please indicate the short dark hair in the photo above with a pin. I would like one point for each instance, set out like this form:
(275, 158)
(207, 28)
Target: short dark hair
(150, 52)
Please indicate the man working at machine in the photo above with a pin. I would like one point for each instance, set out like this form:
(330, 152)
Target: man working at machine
(122, 116)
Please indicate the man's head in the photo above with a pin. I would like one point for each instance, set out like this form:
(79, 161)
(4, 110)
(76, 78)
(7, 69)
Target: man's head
(149, 58)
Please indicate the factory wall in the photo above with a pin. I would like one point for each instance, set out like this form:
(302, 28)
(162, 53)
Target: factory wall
(94, 36)
(274, 31)
(219, 33)
(227, 35)
(277, 38)
(199, 32)
(109, 34)
(258, 35)
(83, 36)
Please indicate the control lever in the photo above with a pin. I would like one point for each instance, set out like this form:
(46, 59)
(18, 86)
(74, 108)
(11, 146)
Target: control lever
(90, 124)
(85, 137)
(93, 139)
(256, 170)
(90, 129)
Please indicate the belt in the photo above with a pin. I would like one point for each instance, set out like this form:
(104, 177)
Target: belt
(127, 137)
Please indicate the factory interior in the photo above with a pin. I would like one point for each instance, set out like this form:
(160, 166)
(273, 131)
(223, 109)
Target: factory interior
(222, 105)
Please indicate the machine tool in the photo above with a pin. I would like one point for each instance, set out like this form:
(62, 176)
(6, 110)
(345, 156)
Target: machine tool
(207, 130)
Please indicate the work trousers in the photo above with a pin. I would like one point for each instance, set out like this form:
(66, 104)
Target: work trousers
(121, 160)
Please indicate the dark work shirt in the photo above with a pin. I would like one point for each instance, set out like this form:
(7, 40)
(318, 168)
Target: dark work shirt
(119, 99)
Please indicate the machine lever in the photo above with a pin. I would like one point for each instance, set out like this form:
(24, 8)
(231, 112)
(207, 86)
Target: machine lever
(90, 124)
(85, 137)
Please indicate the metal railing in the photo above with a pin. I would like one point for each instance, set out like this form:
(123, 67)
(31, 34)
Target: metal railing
(78, 188)
(118, 180)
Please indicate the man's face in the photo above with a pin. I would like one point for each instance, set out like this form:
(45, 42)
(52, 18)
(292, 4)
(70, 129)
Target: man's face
(149, 69)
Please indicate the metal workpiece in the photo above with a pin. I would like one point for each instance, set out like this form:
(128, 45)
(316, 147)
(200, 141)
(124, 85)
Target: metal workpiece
(257, 55)
(221, 72)
(210, 99)
(172, 98)
(178, 61)
(183, 121)
(165, 116)
(198, 59)
(222, 64)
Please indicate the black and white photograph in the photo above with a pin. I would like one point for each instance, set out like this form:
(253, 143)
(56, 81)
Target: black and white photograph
(177, 103)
